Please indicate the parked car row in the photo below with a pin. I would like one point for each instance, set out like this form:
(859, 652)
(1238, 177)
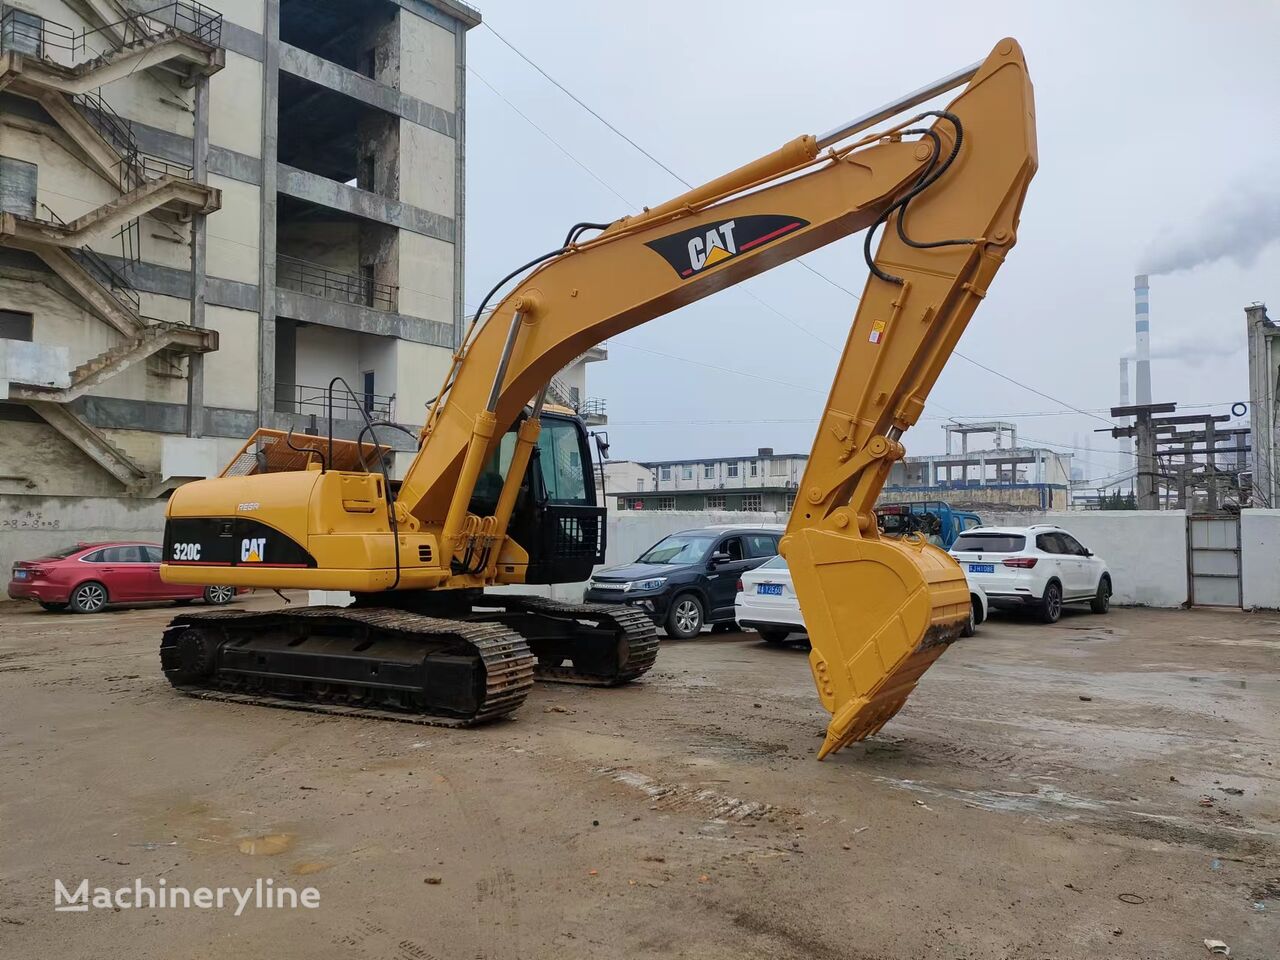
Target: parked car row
(87, 577)
(721, 576)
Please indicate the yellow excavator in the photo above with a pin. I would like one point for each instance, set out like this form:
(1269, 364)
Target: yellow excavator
(501, 489)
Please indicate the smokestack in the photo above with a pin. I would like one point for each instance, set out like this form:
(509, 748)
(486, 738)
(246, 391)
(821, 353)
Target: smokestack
(1142, 334)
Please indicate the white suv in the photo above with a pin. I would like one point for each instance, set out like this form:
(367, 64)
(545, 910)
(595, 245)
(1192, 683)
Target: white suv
(1042, 566)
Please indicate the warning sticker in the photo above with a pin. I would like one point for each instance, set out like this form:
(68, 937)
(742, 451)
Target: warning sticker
(877, 331)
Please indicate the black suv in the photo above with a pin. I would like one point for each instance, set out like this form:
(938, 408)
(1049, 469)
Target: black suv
(688, 578)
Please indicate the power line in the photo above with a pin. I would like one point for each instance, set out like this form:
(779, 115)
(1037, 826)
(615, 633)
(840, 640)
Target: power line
(818, 273)
(556, 143)
(568, 93)
(1026, 386)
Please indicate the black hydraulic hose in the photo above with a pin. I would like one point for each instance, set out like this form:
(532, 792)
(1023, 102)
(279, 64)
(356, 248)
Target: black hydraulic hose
(489, 296)
(382, 464)
(927, 178)
(576, 230)
(570, 238)
(288, 440)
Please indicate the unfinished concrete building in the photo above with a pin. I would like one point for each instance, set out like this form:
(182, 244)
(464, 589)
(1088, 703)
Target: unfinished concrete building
(1001, 476)
(208, 212)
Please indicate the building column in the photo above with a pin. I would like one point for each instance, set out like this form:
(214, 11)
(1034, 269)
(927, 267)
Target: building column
(460, 192)
(267, 204)
(199, 244)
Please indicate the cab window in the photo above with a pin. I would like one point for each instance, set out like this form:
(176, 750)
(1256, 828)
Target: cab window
(560, 457)
(494, 473)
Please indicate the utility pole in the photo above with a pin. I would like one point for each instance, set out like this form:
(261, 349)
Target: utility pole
(1144, 430)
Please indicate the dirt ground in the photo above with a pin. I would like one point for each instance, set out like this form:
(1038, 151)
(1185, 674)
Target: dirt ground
(1039, 797)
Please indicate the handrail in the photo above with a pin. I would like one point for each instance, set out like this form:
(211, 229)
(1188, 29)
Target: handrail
(29, 33)
(302, 398)
(121, 290)
(317, 280)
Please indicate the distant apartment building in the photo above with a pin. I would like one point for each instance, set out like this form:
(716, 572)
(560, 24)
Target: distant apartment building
(764, 482)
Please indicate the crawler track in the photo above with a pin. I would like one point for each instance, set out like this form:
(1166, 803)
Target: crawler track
(607, 644)
(376, 662)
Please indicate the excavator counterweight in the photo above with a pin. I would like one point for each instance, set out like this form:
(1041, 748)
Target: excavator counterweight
(501, 492)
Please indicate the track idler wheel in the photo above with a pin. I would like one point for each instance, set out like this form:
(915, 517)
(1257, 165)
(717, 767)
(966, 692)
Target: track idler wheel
(189, 660)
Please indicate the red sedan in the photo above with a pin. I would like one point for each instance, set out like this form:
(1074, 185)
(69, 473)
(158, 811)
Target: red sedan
(87, 577)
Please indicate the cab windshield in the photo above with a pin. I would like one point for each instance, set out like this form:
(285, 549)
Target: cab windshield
(678, 548)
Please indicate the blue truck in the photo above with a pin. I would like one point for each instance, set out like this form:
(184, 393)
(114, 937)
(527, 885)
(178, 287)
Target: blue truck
(933, 519)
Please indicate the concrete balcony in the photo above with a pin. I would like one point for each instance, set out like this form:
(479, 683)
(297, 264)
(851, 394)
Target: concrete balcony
(317, 280)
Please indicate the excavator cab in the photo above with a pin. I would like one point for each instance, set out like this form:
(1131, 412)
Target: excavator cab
(557, 519)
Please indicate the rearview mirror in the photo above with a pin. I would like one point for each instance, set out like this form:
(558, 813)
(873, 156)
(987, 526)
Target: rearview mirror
(720, 557)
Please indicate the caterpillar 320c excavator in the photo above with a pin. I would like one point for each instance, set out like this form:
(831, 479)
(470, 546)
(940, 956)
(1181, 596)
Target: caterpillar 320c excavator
(501, 489)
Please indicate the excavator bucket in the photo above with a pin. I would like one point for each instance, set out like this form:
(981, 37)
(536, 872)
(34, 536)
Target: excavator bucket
(879, 612)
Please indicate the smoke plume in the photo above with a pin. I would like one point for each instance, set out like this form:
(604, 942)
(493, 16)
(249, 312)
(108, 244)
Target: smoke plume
(1191, 348)
(1236, 227)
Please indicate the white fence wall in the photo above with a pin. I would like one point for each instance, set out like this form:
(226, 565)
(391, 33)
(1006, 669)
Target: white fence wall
(1260, 557)
(1145, 550)
(32, 526)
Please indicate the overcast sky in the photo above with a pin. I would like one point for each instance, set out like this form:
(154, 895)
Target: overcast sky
(1157, 143)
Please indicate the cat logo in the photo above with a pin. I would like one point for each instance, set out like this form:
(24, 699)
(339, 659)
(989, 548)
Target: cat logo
(253, 549)
(691, 251)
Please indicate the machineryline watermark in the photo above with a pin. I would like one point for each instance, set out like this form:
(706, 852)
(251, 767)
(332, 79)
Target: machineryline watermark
(263, 895)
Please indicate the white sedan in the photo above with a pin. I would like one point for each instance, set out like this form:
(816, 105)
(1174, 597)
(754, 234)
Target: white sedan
(766, 602)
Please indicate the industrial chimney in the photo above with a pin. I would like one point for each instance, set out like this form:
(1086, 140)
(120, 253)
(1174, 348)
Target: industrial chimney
(1124, 444)
(1142, 335)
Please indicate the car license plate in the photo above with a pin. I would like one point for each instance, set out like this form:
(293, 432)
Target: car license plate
(769, 589)
(19, 574)
(982, 568)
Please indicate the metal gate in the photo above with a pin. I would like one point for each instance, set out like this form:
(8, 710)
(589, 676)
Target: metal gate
(1213, 561)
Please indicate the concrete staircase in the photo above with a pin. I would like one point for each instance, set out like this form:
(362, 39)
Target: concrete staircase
(158, 336)
(180, 198)
(139, 43)
(102, 451)
(103, 297)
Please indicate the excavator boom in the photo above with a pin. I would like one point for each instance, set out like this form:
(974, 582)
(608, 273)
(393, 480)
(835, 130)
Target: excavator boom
(946, 187)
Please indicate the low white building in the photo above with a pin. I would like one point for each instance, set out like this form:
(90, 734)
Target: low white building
(766, 481)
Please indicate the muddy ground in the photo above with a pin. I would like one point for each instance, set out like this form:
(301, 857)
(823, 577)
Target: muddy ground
(1039, 797)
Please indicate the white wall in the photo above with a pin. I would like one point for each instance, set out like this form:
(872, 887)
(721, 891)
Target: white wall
(1146, 551)
(631, 532)
(32, 526)
(1260, 558)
